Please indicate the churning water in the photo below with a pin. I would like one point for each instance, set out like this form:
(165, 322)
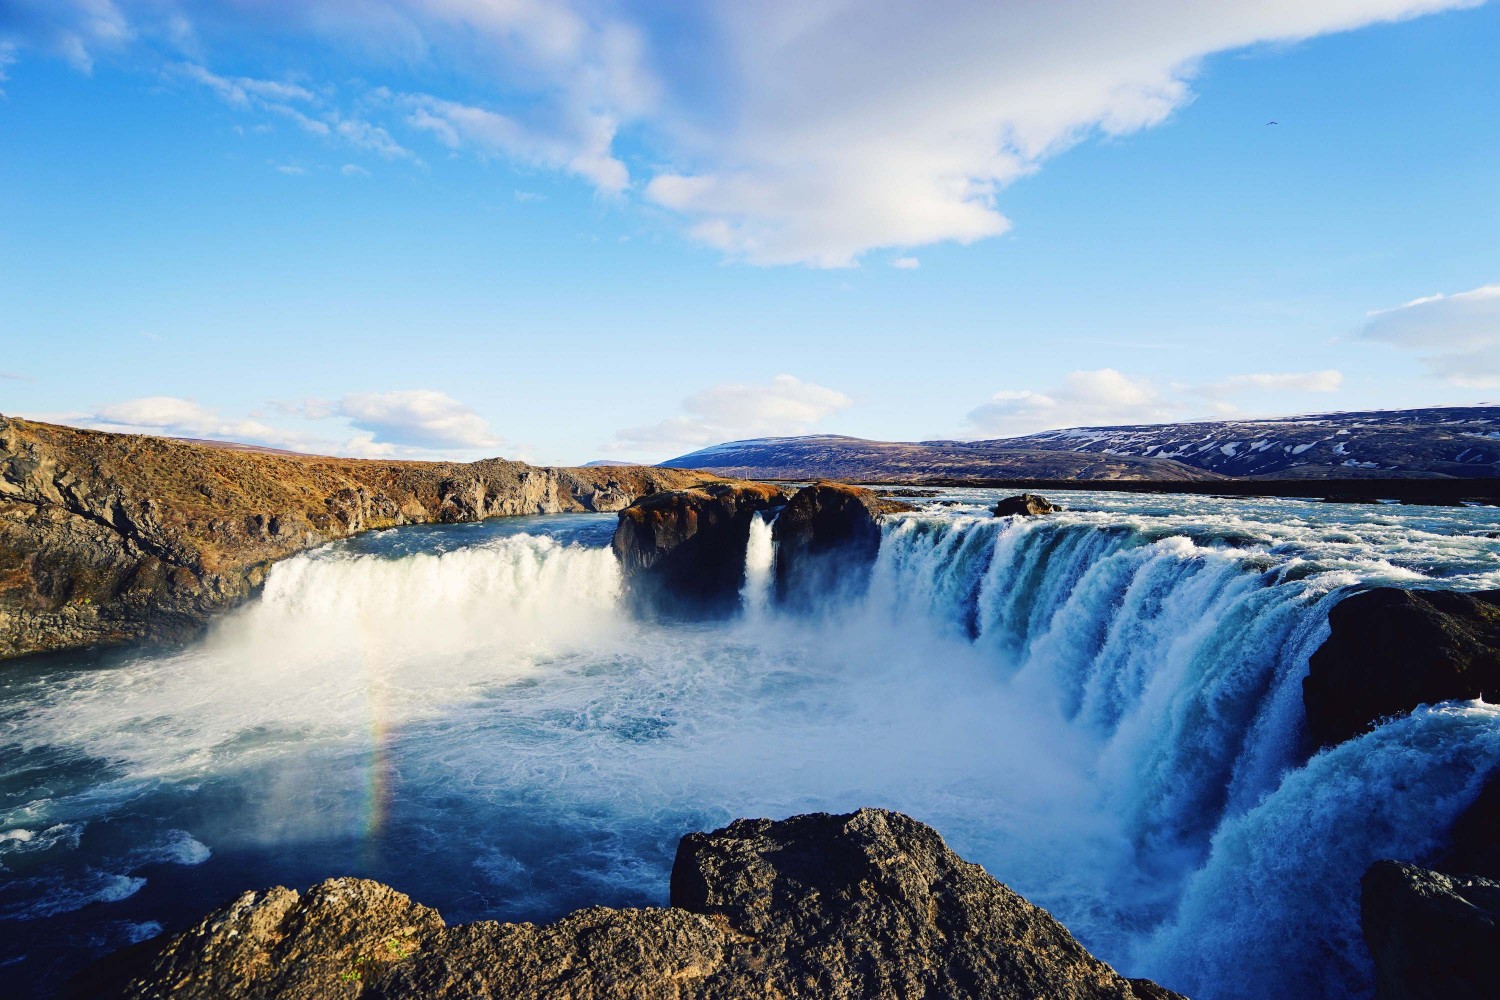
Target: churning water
(1103, 707)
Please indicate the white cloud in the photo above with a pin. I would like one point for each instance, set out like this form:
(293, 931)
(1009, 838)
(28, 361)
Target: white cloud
(1104, 396)
(172, 416)
(1328, 380)
(783, 131)
(290, 168)
(408, 423)
(784, 406)
(906, 263)
(853, 125)
(353, 170)
(1458, 335)
(415, 418)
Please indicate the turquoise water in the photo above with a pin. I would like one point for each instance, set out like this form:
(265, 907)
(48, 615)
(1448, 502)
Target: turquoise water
(1102, 707)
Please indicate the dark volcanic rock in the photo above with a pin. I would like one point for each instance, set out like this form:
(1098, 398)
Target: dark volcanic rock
(1432, 936)
(1391, 650)
(111, 538)
(1474, 843)
(868, 905)
(826, 541)
(685, 550)
(1026, 505)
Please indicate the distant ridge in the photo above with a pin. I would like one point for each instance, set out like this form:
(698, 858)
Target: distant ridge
(1442, 442)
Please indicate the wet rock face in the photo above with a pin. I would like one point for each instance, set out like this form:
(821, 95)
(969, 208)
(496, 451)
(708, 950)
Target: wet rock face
(684, 551)
(863, 906)
(1024, 505)
(1474, 842)
(1432, 936)
(826, 542)
(112, 538)
(1391, 650)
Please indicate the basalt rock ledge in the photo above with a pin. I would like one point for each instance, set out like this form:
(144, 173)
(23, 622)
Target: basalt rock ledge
(117, 538)
(1390, 650)
(684, 550)
(863, 906)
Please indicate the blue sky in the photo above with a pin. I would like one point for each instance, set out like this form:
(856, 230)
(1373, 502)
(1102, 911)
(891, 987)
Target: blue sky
(568, 231)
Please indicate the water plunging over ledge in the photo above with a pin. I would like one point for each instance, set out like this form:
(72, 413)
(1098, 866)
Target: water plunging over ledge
(1102, 707)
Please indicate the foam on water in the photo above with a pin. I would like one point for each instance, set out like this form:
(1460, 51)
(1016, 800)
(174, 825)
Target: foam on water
(1102, 706)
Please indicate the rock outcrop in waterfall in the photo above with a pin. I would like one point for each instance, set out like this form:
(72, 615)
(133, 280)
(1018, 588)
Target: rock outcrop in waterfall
(1024, 505)
(684, 551)
(1390, 650)
(827, 540)
(856, 907)
(1432, 936)
(112, 538)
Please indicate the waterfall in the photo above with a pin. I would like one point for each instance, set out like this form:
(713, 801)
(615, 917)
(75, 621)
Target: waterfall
(1177, 652)
(760, 562)
(1278, 899)
(1101, 707)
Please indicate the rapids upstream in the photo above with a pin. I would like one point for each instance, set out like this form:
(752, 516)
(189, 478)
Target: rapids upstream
(1102, 707)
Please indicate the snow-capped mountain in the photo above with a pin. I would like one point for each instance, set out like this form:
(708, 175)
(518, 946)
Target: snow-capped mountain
(1437, 441)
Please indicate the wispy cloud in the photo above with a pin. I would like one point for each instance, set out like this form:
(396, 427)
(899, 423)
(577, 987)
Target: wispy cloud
(906, 263)
(579, 144)
(312, 112)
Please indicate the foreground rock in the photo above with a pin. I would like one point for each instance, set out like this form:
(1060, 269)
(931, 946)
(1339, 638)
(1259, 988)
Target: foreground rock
(827, 540)
(867, 905)
(1024, 505)
(111, 538)
(685, 550)
(1431, 936)
(1391, 650)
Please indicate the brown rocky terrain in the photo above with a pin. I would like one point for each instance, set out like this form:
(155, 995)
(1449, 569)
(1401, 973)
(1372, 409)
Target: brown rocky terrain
(112, 538)
(862, 906)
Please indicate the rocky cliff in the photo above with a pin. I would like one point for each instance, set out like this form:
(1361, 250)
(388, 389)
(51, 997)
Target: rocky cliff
(111, 538)
(856, 907)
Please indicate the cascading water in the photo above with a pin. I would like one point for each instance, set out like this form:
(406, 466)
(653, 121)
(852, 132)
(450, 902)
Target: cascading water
(760, 563)
(1102, 707)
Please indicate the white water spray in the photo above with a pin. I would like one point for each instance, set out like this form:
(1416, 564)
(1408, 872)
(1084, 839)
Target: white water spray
(760, 564)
